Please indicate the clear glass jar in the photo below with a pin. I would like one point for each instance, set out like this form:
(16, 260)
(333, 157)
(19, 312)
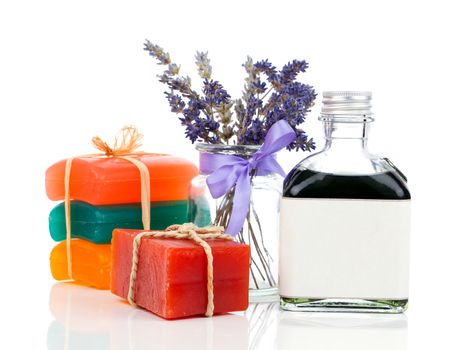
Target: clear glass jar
(345, 220)
(261, 227)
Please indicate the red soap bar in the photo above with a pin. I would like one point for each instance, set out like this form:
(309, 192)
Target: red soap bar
(172, 274)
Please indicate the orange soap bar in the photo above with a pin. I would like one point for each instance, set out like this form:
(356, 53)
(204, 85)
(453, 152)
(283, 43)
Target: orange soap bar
(91, 263)
(108, 180)
(171, 276)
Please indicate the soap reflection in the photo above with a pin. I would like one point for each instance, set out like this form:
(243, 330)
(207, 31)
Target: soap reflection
(87, 318)
(92, 319)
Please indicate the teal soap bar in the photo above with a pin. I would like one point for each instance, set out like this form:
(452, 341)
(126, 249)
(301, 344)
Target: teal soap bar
(96, 223)
(199, 211)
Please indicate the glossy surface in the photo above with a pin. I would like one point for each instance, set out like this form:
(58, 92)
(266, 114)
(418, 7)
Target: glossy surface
(303, 183)
(96, 223)
(84, 318)
(91, 263)
(116, 181)
(172, 274)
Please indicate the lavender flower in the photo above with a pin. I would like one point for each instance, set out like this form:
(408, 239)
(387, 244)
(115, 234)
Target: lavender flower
(256, 133)
(240, 110)
(250, 79)
(302, 142)
(176, 102)
(259, 86)
(265, 67)
(158, 52)
(291, 70)
(172, 70)
(203, 64)
(269, 70)
(197, 125)
(214, 93)
(269, 95)
(224, 111)
(253, 106)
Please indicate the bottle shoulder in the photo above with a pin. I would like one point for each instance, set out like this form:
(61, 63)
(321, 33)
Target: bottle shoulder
(306, 183)
(334, 162)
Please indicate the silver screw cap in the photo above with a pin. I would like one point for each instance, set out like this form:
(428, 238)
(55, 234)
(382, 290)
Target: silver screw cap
(344, 103)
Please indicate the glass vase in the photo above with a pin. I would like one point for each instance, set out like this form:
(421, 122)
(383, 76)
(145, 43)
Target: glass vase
(261, 227)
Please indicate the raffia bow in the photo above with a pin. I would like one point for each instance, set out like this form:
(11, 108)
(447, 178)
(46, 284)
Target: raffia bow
(126, 143)
(184, 231)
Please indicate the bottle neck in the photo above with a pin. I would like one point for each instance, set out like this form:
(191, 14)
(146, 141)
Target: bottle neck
(347, 137)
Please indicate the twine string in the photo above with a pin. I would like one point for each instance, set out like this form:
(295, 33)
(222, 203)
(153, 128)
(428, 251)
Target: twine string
(125, 147)
(127, 141)
(69, 260)
(185, 231)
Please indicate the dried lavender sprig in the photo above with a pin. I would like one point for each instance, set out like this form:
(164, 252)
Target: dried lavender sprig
(225, 114)
(209, 117)
(216, 97)
(290, 100)
(196, 119)
(219, 105)
(250, 78)
(203, 64)
(291, 70)
(157, 52)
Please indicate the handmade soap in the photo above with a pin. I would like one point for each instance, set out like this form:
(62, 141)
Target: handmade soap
(96, 223)
(110, 180)
(91, 263)
(171, 278)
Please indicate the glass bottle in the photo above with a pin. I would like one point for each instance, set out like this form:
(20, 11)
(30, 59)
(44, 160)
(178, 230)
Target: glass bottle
(261, 227)
(345, 220)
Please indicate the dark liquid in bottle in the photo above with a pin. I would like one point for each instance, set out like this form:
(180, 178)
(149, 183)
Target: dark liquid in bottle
(303, 183)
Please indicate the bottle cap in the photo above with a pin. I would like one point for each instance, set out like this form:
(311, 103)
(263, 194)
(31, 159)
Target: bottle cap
(347, 103)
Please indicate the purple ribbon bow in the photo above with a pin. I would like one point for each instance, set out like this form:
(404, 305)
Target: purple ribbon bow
(236, 171)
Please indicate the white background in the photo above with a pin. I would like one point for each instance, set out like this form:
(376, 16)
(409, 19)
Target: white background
(72, 69)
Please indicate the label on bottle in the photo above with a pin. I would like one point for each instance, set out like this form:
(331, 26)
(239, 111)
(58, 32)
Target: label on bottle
(344, 248)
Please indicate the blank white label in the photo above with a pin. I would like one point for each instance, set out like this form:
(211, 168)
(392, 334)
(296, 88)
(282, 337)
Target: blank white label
(344, 248)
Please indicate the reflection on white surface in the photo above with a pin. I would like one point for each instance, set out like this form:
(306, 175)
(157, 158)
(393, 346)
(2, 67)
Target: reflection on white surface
(342, 331)
(88, 319)
(263, 319)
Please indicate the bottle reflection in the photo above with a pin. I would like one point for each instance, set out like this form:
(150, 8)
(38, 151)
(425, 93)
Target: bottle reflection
(342, 331)
(91, 319)
(270, 328)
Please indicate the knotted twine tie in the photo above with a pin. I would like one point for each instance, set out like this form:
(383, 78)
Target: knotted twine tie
(126, 143)
(185, 231)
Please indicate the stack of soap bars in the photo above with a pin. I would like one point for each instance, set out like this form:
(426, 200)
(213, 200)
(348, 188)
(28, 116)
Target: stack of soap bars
(105, 194)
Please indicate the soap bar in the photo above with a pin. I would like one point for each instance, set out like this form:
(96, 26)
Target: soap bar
(199, 211)
(91, 263)
(110, 180)
(171, 278)
(96, 223)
